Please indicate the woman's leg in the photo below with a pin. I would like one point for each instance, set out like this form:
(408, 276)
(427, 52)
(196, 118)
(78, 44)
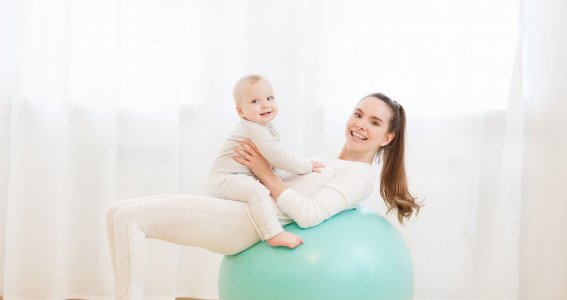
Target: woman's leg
(219, 225)
(110, 221)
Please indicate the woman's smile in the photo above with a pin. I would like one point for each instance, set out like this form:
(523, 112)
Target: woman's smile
(358, 135)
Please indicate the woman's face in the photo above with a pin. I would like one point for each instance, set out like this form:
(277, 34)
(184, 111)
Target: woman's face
(367, 127)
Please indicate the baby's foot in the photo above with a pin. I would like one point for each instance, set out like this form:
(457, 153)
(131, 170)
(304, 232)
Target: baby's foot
(286, 239)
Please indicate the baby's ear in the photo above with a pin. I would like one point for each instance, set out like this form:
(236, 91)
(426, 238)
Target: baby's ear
(239, 111)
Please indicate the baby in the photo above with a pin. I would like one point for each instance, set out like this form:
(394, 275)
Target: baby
(256, 106)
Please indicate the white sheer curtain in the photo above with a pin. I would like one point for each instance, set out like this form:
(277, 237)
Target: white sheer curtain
(103, 100)
(543, 263)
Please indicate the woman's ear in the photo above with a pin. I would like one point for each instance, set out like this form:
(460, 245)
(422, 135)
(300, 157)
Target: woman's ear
(389, 137)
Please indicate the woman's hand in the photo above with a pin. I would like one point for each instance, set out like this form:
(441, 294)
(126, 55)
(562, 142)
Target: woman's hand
(248, 155)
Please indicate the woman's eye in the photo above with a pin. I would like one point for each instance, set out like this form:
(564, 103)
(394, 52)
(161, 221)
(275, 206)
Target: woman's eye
(374, 123)
(357, 115)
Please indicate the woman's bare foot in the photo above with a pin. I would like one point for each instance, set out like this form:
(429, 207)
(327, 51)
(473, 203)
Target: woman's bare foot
(286, 239)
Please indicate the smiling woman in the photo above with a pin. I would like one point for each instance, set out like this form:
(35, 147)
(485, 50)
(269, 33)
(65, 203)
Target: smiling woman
(385, 118)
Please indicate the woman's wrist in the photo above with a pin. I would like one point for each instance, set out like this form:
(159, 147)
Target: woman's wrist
(266, 175)
(273, 183)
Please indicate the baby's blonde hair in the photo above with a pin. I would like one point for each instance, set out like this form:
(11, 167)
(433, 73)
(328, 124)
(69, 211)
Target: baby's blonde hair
(248, 79)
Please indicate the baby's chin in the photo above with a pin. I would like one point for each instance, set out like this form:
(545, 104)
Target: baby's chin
(259, 120)
(266, 118)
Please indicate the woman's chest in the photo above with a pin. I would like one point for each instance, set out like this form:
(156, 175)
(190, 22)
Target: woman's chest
(308, 184)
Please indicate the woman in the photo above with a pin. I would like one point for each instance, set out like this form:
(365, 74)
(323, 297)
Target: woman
(376, 127)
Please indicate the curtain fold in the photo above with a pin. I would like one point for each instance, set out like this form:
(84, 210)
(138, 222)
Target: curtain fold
(543, 254)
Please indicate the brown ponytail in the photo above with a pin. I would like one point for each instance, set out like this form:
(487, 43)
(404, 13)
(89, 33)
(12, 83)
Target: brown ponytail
(393, 181)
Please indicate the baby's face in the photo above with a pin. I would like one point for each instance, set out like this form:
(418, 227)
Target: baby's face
(256, 102)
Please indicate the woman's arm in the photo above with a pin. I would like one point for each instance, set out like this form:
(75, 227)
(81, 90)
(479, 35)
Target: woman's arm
(345, 190)
(248, 155)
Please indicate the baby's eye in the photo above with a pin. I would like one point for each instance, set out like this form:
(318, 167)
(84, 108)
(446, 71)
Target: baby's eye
(270, 98)
(255, 101)
(356, 114)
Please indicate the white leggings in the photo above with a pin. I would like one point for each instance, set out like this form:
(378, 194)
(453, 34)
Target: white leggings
(219, 225)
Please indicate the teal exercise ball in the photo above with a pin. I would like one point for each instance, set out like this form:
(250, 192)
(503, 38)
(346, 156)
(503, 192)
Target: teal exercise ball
(355, 255)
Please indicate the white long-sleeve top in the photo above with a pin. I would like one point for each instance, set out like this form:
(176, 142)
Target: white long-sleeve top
(267, 140)
(311, 199)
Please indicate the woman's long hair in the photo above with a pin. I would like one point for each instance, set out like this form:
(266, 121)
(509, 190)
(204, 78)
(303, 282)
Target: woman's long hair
(393, 181)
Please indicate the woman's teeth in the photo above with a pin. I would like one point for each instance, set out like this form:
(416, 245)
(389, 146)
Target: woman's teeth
(358, 135)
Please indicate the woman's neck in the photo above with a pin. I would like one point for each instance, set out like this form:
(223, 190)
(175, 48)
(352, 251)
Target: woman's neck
(364, 157)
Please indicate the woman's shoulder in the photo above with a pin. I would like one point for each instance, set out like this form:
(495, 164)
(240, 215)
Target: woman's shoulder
(361, 172)
(354, 179)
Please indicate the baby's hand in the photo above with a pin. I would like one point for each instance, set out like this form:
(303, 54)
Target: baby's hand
(316, 166)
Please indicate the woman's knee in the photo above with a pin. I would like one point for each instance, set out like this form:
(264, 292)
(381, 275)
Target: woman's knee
(119, 211)
(116, 206)
(111, 212)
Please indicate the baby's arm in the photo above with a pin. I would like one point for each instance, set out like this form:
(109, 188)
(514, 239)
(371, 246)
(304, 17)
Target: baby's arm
(276, 156)
(317, 166)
